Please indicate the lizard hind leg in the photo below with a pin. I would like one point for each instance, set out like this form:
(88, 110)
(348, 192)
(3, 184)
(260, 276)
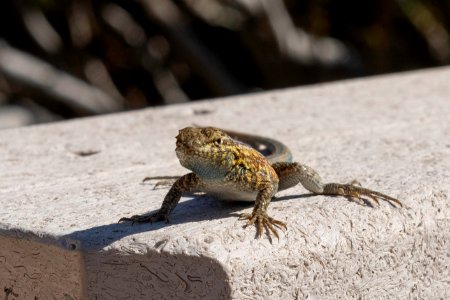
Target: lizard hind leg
(291, 174)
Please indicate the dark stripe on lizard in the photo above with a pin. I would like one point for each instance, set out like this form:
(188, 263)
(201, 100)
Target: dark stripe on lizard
(273, 150)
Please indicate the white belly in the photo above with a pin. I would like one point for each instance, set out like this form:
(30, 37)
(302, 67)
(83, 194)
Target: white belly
(231, 193)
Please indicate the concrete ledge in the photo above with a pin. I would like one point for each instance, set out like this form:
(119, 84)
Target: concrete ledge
(64, 186)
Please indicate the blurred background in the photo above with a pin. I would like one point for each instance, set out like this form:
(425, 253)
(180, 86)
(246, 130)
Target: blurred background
(67, 59)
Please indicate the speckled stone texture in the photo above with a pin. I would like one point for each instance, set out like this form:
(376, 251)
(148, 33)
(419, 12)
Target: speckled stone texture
(64, 186)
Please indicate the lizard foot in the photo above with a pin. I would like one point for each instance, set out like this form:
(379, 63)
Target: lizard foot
(146, 218)
(262, 220)
(357, 192)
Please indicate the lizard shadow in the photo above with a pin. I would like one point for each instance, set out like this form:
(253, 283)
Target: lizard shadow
(195, 208)
(189, 210)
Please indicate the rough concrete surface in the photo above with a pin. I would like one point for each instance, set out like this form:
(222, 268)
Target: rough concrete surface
(64, 186)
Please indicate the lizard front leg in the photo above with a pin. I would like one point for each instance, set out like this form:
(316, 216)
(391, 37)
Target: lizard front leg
(290, 174)
(186, 183)
(259, 216)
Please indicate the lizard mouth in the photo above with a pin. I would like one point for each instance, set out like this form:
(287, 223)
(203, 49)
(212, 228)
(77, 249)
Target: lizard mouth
(198, 141)
(187, 141)
(183, 146)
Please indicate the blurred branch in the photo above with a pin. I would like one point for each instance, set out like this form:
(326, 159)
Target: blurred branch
(430, 28)
(205, 64)
(295, 44)
(38, 76)
(292, 42)
(79, 23)
(122, 23)
(216, 13)
(41, 30)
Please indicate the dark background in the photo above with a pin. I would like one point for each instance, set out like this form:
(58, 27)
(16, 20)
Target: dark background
(66, 59)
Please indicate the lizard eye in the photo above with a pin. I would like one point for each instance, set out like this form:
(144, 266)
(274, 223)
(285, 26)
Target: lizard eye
(218, 141)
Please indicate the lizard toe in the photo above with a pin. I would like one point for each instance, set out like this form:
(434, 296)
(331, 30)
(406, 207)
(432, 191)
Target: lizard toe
(263, 221)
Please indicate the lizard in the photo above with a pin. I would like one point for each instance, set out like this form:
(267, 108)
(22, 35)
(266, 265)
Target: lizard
(225, 166)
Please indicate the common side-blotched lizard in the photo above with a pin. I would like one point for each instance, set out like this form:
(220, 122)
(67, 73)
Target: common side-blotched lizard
(224, 166)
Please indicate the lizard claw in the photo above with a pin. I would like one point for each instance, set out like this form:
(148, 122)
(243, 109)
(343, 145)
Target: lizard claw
(262, 220)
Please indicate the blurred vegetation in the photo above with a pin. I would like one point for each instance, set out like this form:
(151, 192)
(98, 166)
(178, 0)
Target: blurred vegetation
(65, 59)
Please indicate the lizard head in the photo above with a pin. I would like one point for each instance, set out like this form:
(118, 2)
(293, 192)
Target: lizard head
(199, 148)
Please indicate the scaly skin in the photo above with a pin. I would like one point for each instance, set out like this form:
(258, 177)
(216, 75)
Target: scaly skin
(228, 169)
